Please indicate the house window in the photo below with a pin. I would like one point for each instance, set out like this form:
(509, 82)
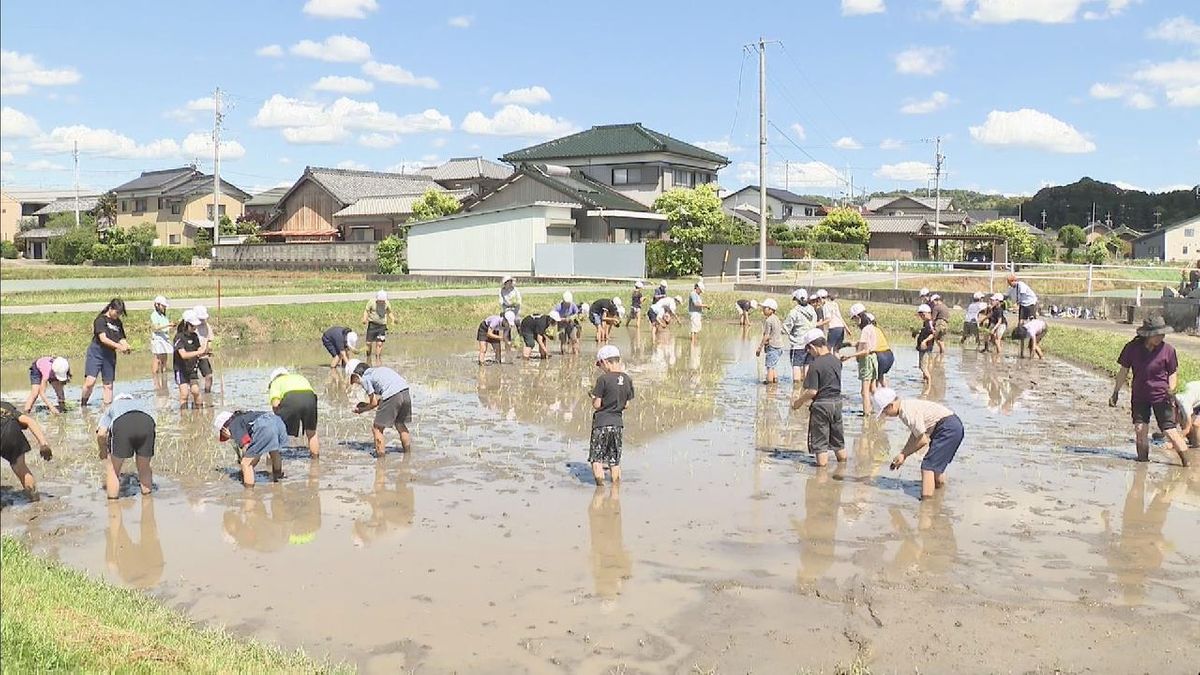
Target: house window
(174, 239)
(139, 205)
(174, 208)
(209, 211)
(626, 176)
(684, 178)
(1189, 232)
(160, 203)
(124, 206)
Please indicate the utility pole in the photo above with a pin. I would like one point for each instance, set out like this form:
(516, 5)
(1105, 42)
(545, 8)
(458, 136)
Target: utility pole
(1043, 219)
(216, 214)
(75, 155)
(1093, 214)
(787, 174)
(937, 178)
(762, 159)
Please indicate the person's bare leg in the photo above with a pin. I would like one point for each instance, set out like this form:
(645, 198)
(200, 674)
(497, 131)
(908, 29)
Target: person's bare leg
(598, 472)
(112, 476)
(248, 464)
(797, 375)
(822, 459)
(276, 465)
(108, 393)
(840, 455)
(61, 392)
(1179, 443)
(1141, 433)
(377, 433)
(499, 352)
(89, 383)
(145, 474)
(314, 443)
(927, 483)
(28, 407)
(939, 480)
(21, 470)
(405, 437)
(615, 469)
(482, 352)
(866, 398)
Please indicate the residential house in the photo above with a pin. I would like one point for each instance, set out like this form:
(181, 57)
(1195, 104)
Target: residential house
(538, 204)
(475, 175)
(323, 205)
(85, 203)
(1177, 242)
(178, 202)
(637, 162)
(781, 204)
(35, 242)
(10, 216)
(904, 237)
(262, 204)
(909, 205)
(19, 204)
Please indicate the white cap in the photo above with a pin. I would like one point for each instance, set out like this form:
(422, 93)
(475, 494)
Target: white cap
(678, 300)
(276, 373)
(160, 300)
(814, 334)
(997, 297)
(935, 296)
(201, 312)
(856, 309)
(189, 316)
(608, 352)
(568, 296)
(583, 308)
(924, 291)
(663, 283)
(511, 317)
(822, 293)
(352, 340)
(61, 368)
(753, 304)
(700, 284)
(381, 296)
(555, 316)
(221, 420)
(351, 365)
(506, 279)
(800, 295)
(883, 397)
(770, 303)
(923, 309)
(639, 284)
(977, 295)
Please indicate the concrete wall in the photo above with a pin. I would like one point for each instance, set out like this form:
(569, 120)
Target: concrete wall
(590, 260)
(482, 242)
(10, 216)
(316, 255)
(715, 265)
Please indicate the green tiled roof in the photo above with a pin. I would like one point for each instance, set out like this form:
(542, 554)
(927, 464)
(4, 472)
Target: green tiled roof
(611, 139)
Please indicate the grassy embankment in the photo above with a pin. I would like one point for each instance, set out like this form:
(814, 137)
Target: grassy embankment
(60, 620)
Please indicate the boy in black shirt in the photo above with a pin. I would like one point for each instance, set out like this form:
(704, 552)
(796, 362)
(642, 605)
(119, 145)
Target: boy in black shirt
(533, 330)
(925, 339)
(613, 391)
(823, 387)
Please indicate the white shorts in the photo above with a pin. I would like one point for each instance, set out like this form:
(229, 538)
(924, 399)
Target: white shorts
(159, 344)
(697, 319)
(999, 330)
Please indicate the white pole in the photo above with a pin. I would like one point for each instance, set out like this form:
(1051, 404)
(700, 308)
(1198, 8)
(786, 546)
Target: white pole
(937, 197)
(216, 214)
(762, 159)
(896, 275)
(75, 153)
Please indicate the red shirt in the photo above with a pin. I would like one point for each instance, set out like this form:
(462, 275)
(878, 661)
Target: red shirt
(1152, 370)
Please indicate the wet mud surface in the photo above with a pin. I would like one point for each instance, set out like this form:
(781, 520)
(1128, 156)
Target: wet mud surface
(488, 548)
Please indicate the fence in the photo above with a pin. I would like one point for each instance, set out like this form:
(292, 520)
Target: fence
(1052, 279)
(300, 256)
(590, 260)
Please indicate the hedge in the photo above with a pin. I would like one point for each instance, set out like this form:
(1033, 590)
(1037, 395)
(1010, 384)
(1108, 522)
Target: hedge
(8, 249)
(658, 252)
(115, 254)
(826, 250)
(172, 255)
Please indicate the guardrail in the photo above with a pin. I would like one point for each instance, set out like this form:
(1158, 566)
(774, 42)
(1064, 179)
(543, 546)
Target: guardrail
(1052, 278)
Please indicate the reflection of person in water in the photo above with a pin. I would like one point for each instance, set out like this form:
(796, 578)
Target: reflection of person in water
(611, 564)
(391, 509)
(251, 526)
(139, 565)
(1140, 548)
(818, 529)
(931, 545)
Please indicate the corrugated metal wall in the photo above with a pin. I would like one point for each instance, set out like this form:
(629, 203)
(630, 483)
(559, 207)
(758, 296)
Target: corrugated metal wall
(590, 260)
(499, 241)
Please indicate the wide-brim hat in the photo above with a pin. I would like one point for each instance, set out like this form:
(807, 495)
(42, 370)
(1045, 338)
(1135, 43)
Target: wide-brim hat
(1154, 325)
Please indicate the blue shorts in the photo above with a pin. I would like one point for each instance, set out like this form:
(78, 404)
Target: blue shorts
(837, 338)
(886, 360)
(595, 319)
(772, 355)
(35, 375)
(100, 362)
(267, 434)
(944, 440)
(652, 315)
(800, 357)
(330, 345)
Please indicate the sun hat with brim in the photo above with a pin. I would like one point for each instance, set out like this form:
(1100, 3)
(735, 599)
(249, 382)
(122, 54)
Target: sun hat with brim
(201, 312)
(935, 296)
(607, 352)
(856, 309)
(997, 297)
(1154, 326)
(61, 368)
(190, 318)
(221, 421)
(639, 284)
(977, 295)
(554, 316)
(812, 336)
(883, 397)
(160, 300)
(923, 309)
(924, 291)
(822, 293)
(505, 280)
(770, 303)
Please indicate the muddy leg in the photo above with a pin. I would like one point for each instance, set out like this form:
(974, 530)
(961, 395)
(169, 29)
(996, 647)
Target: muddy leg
(276, 465)
(25, 476)
(145, 474)
(616, 473)
(866, 397)
(248, 464)
(1141, 433)
(89, 383)
(1179, 443)
(314, 443)
(927, 483)
(112, 476)
(405, 437)
(822, 459)
(108, 393)
(598, 472)
(939, 480)
(377, 433)
(840, 455)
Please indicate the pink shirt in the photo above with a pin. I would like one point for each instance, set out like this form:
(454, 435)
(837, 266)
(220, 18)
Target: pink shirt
(43, 367)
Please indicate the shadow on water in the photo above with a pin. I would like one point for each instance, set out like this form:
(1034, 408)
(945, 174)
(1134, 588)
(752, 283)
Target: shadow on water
(11, 496)
(1101, 452)
(909, 487)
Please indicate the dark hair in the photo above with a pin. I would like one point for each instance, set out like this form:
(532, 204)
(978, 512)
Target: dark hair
(864, 320)
(117, 304)
(181, 327)
(360, 369)
(819, 342)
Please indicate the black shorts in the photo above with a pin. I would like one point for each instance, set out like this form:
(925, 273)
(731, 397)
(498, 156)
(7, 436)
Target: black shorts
(13, 442)
(298, 410)
(970, 329)
(481, 335)
(1026, 312)
(567, 330)
(376, 332)
(205, 367)
(394, 410)
(1164, 414)
(825, 427)
(606, 446)
(188, 376)
(530, 339)
(132, 434)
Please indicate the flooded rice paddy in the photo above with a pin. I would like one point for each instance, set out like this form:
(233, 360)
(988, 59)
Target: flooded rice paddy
(488, 548)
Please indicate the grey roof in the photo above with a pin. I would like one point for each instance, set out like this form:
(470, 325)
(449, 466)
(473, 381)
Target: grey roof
(466, 168)
(203, 183)
(150, 180)
(269, 197)
(37, 195)
(349, 186)
(393, 205)
(786, 196)
(574, 184)
(1193, 221)
(67, 205)
(42, 233)
(876, 203)
(983, 216)
(612, 139)
(876, 224)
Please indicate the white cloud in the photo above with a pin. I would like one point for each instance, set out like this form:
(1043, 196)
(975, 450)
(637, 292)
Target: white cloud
(308, 122)
(1179, 80)
(187, 112)
(936, 101)
(1105, 91)
(954, 6)
(527, 96)
(1045, 11)
(438, 142)
(200, 145)
(378, 140)
(859, 7)
(1141, 101)
(1180, 29)
(461, 21)
(847, 143)
(335, 48)
(794, 175)
(922, 60)
(386, 72)
(19, 73)
(5, 157)
(103, 142)
(16, 124)
(343, 85)
(890, 144)
(1031, 129)
(1133, 96)
(340, 9)
(1175, 187)
(725, 147)
(269, 51)
(917, 172)
(797, 130)
(43, 165)
(352, 164)
(513, 120)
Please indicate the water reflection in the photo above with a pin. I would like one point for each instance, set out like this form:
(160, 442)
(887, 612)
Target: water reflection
(818, 529)
(275, 515)
(611, 564)
(138, 564)
(929, 543)
(391, 508)
(1140, 548)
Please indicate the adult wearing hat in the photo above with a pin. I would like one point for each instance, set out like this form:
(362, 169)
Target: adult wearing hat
(292, 398)
(48, 371)
(160, 335)
(1155, 368)
(388, 395)
(1024, 297)
(377, 315)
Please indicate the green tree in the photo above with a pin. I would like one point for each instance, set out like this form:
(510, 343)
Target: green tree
(734, 231)
(391, 254)
(1021, 242)
(846, 226)
(1096, 253)
(1071, 237)
(106, 209)
(694, 215)
(72, 248)
(435, 204)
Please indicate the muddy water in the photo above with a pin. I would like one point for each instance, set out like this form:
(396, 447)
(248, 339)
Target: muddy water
(489, 550)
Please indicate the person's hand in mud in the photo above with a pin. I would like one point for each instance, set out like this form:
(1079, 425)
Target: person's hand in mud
(1112, 400)
(47, 453)
(361, 407)
(898, 461)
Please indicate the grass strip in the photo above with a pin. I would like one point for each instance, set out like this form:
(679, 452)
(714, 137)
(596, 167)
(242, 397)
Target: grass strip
(59, 620)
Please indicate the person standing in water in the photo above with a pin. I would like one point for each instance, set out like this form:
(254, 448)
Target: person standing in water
(126, 430)
(188, 352)
(208, 341)
(377, 315)
(1032, 332)
(108, 338)
(48, 371)
(866, 353)
(997, 323)
(340, 342)
(535, 330)
(160, 336)
(823, 388)
(635, 304)
(696, 309)
(603, 314)
(611, 394)
(799, 321)
(388, 395)
(14, 445)
(253, 434)
(568, 324)
(292, 398)
(1155, 369)
(660, 292)
(1024, 297)
(931, 425)
(831, 320)
(772, 339)
(925, 338)
(941, 321)
(744, 307)
(510, 297)
(970, 327)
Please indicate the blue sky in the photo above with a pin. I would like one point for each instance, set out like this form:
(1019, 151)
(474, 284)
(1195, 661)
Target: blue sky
(1024, 92)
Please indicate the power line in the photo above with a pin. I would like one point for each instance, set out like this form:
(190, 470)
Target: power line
(738, 105)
